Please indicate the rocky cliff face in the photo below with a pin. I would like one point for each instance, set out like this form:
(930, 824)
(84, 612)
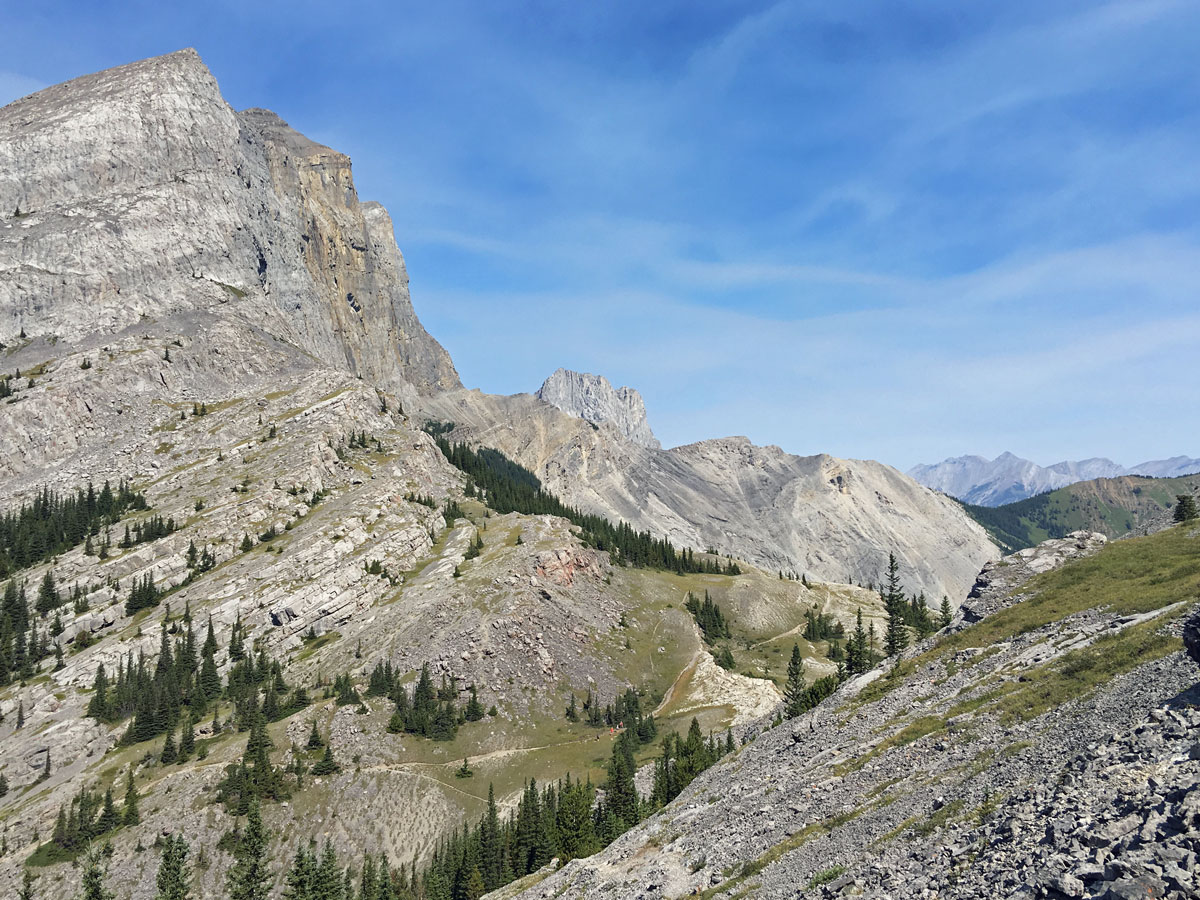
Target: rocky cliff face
(137, 193)
(593, 398)
(829, 518)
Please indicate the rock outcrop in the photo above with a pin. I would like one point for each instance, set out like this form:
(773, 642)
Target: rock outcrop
(593, 398)
(999, 582)
(1191, 636)
(137, 194)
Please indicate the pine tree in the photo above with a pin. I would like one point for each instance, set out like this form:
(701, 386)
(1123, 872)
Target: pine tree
(48, 598)
(26, 886)
(314, 738)
(327, 765)
(945, 616)
(793, 691)
(108, 816)
(620, 792)
(572, 710)
(474, 711)
(490, 847)
(187, 739)
(896, 637)
(169, 752)
(857, 661)
(97, 706)
(1185, 508)
(249, 878)
(130, 813)
(20, 714)
(173, 874)
(92, 884)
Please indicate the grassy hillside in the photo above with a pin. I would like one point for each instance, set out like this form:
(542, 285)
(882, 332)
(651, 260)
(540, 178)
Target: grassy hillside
(1112, 506)
(913, 783)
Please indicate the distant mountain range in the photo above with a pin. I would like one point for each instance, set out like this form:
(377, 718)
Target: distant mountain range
(1009, 478)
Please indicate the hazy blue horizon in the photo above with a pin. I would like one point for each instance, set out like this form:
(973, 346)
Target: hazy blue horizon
(873, 232)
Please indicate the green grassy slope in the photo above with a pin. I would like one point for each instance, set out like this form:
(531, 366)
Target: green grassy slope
(1112, 506)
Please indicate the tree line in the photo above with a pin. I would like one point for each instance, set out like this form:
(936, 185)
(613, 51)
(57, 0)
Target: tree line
(505, 486)
(53, 523)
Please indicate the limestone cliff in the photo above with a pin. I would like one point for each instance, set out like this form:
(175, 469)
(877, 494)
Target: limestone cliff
(138, 193)
(592, 397)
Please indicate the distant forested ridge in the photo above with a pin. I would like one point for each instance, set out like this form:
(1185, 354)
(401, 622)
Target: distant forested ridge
(1111, 506)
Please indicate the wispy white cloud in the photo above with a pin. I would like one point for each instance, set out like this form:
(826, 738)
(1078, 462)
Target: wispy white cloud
(900, 232)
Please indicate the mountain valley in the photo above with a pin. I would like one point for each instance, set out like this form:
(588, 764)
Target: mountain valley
(470, 643)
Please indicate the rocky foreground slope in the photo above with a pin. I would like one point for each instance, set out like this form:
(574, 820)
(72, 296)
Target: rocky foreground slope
(1050, 749)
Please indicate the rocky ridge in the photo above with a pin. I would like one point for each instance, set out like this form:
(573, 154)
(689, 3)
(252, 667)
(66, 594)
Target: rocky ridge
(593, 398)
(835, 520)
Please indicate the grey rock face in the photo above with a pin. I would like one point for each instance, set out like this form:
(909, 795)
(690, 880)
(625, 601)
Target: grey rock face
(593, 398)
(138, 193)
(1191, 636)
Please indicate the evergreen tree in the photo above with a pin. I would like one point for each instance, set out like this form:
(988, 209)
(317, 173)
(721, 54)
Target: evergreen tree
(169, 751)
(314, 738)
(896, 638)
(327, 765)
(187, 739)
(98, 704)
(621, 797)
(793, 691)
(48, 598)
(108, 815)
(173, 874)
(26, 886)
(249, 878)
(474, 711)
(1185, 508)
(945, 616)
(490, 849)
(92, 884)
(857, 659)
(130, 813)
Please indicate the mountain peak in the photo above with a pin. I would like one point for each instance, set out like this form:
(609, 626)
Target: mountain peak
(118, 164)
(593, 398)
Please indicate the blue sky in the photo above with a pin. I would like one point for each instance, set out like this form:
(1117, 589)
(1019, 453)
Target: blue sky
(862, 229)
